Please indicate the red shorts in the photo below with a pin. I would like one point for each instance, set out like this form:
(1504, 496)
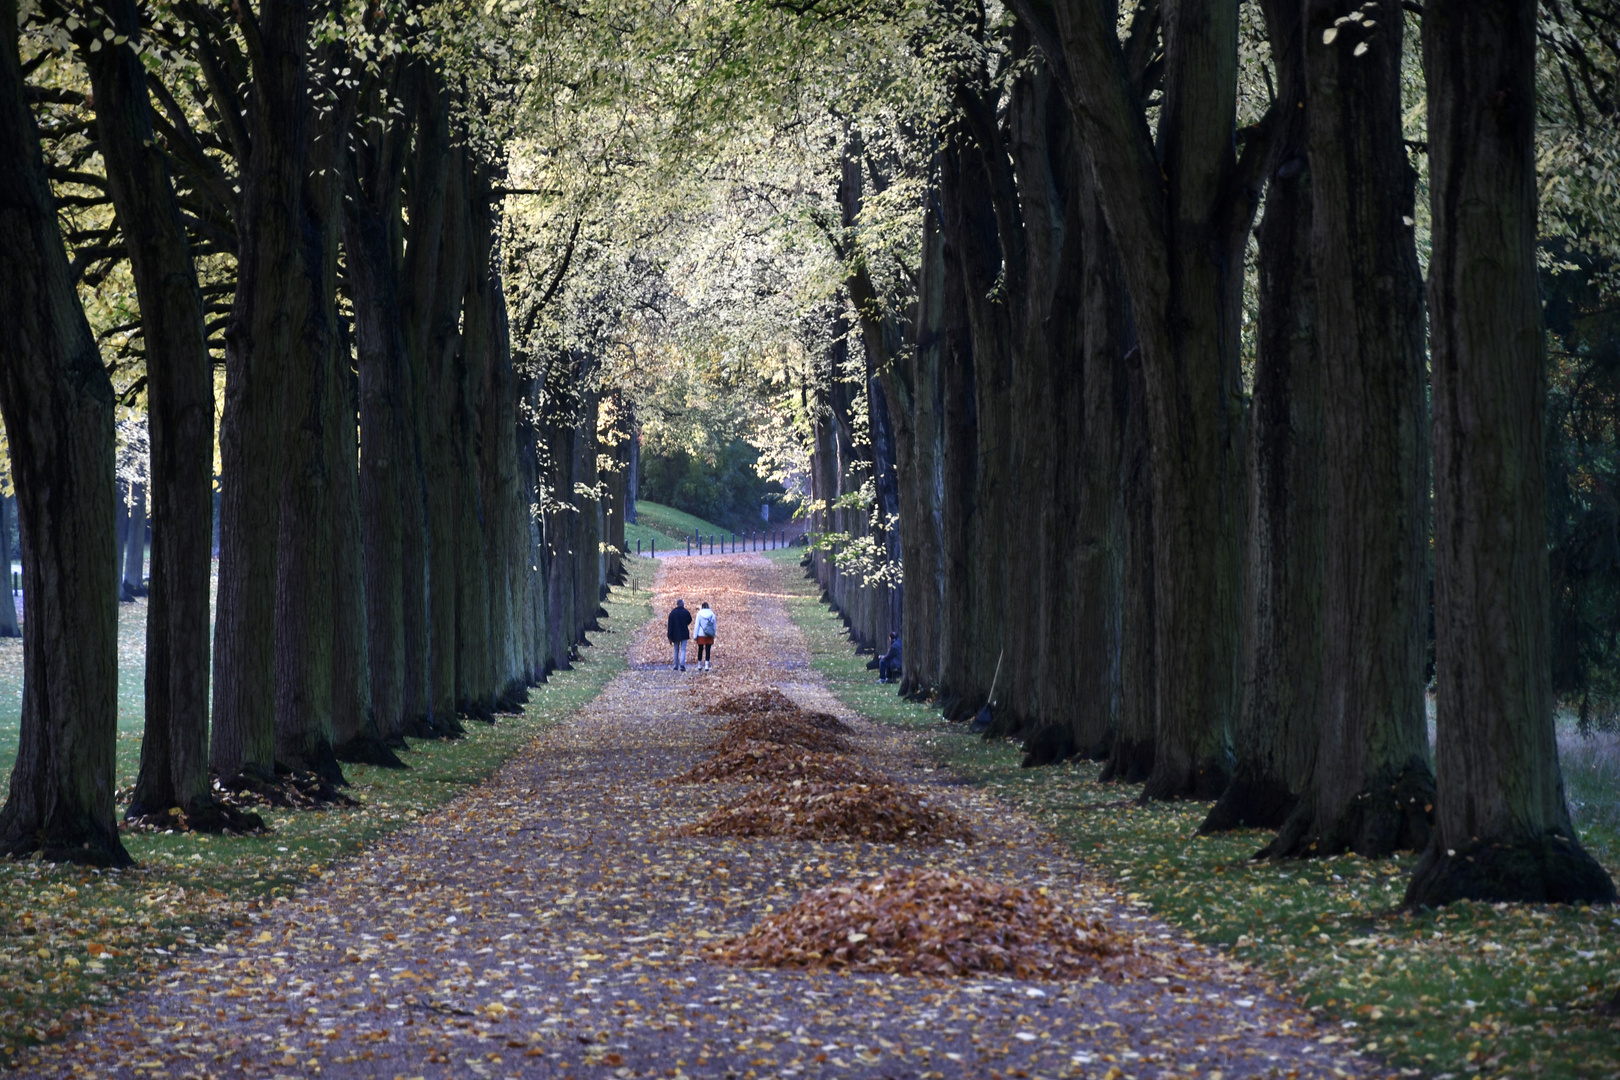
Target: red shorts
(704, 640)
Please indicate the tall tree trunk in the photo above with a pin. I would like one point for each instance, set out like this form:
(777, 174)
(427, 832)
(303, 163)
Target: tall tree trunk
(1275, 735)
(1131, 759)
(9, 626)
(1502, 829)
(506, 519)
(355, 735)
(1095, 423)
(426, 181)
(1372, 780)
(1046, 358)
(135, 547)
(916, 399)
(440, 457)
(633, 480)
(1179, 212)
(1190, 357)
(121, 523)
(959, 436)
(381, 355)
(535, 567)
(57, 403)
(305, 615)
(589, 563)
(180, 411)
(476, 680)
(559, 543)
(268, 312)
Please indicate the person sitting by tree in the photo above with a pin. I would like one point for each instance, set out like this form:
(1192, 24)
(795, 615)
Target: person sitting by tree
(889, 662)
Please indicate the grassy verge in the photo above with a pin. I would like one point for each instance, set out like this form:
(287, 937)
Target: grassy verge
(1475, 990)
(72, 939)
(669, 524)
(131, 695)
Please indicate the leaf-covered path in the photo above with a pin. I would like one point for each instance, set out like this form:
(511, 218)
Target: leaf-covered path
(549, 924)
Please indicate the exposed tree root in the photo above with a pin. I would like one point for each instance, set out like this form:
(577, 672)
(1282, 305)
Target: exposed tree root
(205, 814)
(1250, 802)
(434, 727)
(1549, 869)
(284, 788)
(1204, 780)
(1131, 761)
(1392, 813)
(368, 750)
(83, 845)
(1049, 746)
(320, 760)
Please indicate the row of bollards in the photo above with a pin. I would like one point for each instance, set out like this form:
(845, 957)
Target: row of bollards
(748, 541)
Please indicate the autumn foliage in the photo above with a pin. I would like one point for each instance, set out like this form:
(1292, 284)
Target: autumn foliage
(761, 762)
(881, 812)
(930, 922)
(787, 729)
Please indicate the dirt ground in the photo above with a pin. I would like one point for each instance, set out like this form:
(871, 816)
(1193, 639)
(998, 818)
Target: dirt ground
(549, 923)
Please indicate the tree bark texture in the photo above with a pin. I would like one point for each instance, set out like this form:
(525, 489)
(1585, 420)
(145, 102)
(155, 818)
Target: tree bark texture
(975, 441)
(57, 403)
(355, 735)
(267, 316)
(180, 417)
(1178, 212)
(1502, 829)
(959, 438)
(1131, 759)
(478, 683)
(305, 567)
(1372, 781)
(506, 512)
(370, 213)
(427, 178)
(913, 389)
(1091, 673)
(441, 464)
(1276, 731)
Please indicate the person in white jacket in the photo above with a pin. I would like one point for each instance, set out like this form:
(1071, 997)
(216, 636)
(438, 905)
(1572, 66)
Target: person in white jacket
(703, 634)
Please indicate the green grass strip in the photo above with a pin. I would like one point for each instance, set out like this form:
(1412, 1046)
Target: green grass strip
(670, 524)
(1474, 990)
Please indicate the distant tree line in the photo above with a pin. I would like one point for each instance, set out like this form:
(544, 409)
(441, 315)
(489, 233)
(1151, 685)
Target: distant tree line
(728, 490)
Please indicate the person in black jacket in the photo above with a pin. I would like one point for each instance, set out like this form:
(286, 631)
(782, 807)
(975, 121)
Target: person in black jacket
(680, 631)
(889, 662)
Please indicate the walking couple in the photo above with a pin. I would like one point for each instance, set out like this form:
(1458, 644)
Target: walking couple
(683, 627)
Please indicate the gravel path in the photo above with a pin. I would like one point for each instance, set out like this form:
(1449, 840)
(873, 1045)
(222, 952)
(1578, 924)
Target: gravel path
(546, 924)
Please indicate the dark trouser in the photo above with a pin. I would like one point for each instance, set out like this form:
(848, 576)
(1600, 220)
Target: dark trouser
(703, 652)
(888, 669)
